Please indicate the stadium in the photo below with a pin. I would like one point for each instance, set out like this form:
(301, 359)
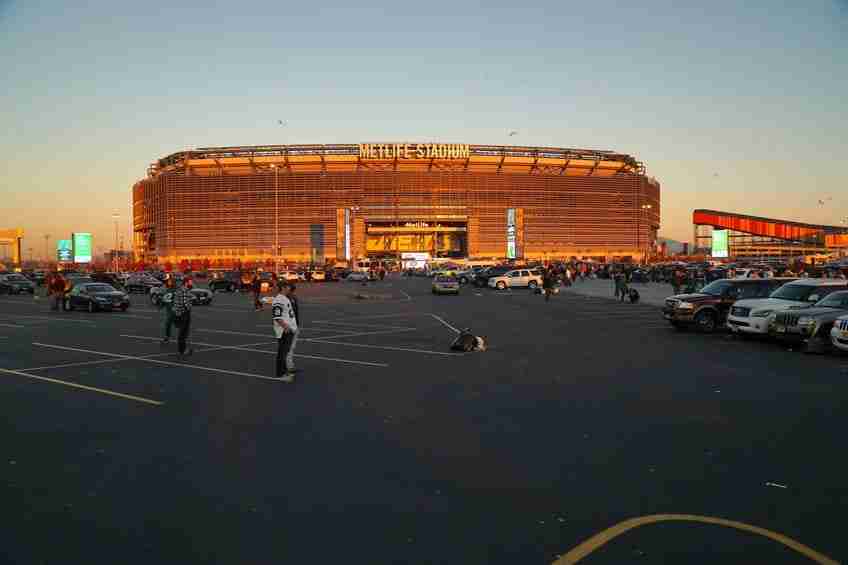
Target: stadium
(335, 203)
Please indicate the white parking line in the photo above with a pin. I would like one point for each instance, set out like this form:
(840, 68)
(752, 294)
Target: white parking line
(408, 298)
(360, 325)
(323, 340)
(84, 387)
(353, 318)
(453, 329)
(357, 334)
(112, 360)
(53, 319)
(246, 348)
(388, 348)
(158, 361)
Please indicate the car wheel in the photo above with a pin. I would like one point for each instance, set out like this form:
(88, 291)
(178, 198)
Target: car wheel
(678, 326)
(463, 280)
(91, 307)
(231, 288)
(532, 285)
(434, 291)
(501, 285)
(705, 321)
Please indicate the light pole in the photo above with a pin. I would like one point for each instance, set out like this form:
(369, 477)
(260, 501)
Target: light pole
(46, 247)
(276, 218)
(645, 208)
(116, 217)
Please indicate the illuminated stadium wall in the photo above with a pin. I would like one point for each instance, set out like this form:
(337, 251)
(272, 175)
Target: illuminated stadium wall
(754, 236)
(383, 199)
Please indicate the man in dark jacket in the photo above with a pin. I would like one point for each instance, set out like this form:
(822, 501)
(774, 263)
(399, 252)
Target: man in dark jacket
(548, 283)
(256, 286)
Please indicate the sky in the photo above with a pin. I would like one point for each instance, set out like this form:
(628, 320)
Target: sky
(736, 106)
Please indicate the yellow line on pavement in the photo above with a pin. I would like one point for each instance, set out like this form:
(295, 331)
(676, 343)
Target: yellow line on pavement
(83, 387)
(602, 538)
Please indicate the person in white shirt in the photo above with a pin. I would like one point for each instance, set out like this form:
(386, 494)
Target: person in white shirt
(285, 328)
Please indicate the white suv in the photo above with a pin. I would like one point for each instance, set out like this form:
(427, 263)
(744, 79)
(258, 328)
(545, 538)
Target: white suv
(752, 316)
(839, 333)
(516, 278)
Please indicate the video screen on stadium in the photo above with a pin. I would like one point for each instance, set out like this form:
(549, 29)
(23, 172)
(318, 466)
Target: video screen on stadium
(82, 247)
(720, 248)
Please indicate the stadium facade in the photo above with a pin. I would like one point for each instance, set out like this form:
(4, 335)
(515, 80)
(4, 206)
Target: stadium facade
(325, 203)
(756, 237)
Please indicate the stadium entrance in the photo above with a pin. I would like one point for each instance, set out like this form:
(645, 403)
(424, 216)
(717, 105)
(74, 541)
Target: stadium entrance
(439, 238)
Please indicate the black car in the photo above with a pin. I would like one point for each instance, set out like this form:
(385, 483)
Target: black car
(482, 278)
(97, 296)
(141, 284)
(225, 282)
(107, 278)
(15, 283)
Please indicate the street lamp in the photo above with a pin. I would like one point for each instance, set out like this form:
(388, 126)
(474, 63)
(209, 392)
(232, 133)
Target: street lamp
(46, 247)
(645, 208)
(116, 217)
(276, 217)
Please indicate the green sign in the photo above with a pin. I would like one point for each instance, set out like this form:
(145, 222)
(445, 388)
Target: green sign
(720, 248)
(82, 247)
(64, 251)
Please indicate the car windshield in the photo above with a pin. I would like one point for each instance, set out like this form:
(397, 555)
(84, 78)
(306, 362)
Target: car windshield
(99, 288)
(717, 288)
(796, 292)
(15, 278)
(835, 300)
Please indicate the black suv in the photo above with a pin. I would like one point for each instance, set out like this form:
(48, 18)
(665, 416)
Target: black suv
(226, 282)
(708, 309)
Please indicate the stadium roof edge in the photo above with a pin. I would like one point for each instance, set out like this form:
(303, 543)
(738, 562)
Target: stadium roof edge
(822, 227)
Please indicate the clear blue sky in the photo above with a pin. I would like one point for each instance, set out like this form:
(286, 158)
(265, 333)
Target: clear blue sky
(740, 106)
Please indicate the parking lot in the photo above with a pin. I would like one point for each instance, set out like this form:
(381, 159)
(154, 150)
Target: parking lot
(390, 448)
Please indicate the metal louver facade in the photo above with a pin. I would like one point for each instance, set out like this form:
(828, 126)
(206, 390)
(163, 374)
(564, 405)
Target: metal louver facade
(219, 203)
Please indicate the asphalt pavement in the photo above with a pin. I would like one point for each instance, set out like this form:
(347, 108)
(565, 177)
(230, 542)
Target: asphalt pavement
(389, 448)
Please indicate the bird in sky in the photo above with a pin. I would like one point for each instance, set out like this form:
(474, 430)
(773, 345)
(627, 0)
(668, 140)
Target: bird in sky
(282, 123)
(821, 202)
(513, 133)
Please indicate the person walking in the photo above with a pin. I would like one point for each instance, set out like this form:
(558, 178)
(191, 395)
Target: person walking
(548, 284)
(256, 286)
(290, 294)
(182, 316)
(285, 327)
(57, 290)
(166, 305)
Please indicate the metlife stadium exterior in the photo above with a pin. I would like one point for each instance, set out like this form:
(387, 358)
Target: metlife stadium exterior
(332, 203)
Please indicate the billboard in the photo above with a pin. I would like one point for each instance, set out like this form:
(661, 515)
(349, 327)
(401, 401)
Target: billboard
(64, 251)
(720, 248)
(82, 247)
(510, 233)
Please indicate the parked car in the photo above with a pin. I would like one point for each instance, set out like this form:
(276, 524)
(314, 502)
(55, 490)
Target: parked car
(141, 283)
(97, 296)
(108, 278)
(15, 283)
(707, 310)
(357, 276)
(317, 276)
(444, 284)
(482, 278)
(465, 277)
(753, 316)
(288, 276)
(839, 333)
(225, 282)
(811, 326)
(516, 278)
